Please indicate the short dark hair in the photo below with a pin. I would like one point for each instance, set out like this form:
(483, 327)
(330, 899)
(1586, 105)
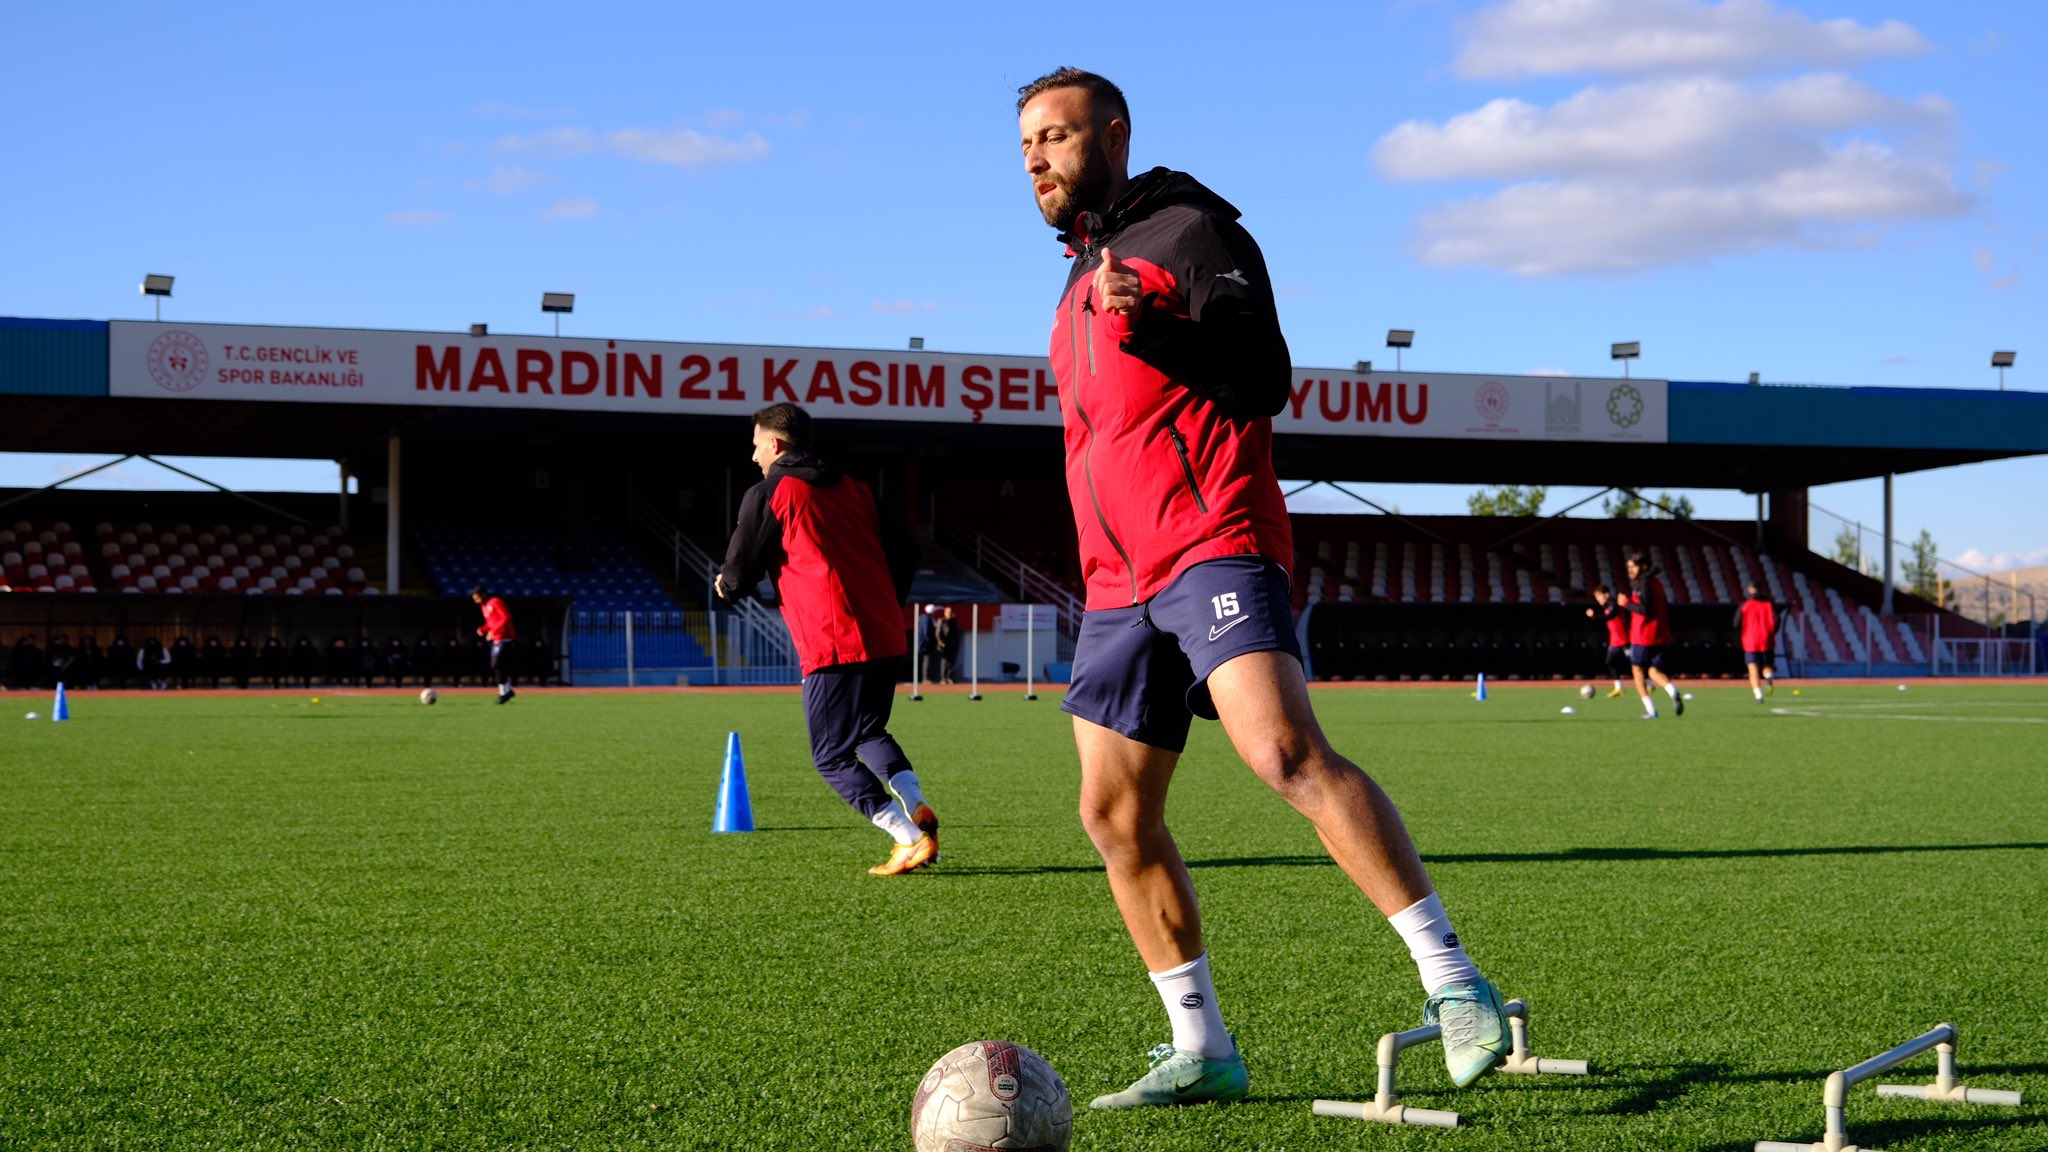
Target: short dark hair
(1104, 94)
(1602, 590)
(1639, 560)
(787, 421)
(479, 593)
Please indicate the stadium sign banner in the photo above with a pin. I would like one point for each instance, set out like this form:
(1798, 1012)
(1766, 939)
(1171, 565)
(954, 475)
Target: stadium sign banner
(355, 366)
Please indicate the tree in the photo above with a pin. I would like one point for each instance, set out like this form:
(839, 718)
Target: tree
(1922, 572)
(1849, 548)
(1626, 505)
(1507, 500)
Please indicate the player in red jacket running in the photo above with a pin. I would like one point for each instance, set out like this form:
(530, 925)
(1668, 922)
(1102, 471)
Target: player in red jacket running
(497, 628)
(1167, 346)
(1649, 633)
(1758, 619)
(842, 570)
(1607, 607)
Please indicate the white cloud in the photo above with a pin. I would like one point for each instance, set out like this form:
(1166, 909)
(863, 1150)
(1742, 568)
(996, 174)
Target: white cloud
(685, 147)
(1981, 561)
(574, 208)
(553, 142)
(903, 307)
(1682, 168)
(504, 181)
(1562, 37)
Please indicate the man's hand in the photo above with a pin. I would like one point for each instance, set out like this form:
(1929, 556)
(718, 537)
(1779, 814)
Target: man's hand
(1117, 287)
(723, 587)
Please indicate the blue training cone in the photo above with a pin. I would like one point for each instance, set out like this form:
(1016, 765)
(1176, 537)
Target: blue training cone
(735, 810)
(1481, 694)
(63, 709)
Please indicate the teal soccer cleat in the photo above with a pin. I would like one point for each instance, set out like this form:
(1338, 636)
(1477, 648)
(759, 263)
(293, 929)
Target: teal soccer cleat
(1475, 1028)
(1179, 1077)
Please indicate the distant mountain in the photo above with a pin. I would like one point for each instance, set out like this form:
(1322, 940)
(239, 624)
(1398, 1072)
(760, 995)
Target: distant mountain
(1987, 598)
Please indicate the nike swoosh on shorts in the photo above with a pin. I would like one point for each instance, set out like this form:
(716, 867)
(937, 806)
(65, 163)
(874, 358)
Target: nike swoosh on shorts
(1216, 633)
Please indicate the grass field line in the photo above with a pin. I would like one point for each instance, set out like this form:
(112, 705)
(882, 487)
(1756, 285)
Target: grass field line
(1890, 710)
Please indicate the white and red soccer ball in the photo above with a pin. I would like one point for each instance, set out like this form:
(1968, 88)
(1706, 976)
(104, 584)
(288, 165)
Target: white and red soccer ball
(991, 1096)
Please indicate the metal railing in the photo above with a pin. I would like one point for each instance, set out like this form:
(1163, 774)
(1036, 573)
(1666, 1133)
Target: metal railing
(748, 641)
(991, 558)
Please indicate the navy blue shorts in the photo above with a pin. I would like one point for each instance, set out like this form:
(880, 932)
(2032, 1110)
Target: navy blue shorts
(1646, 655)
(1143, 671)
(1761, 659)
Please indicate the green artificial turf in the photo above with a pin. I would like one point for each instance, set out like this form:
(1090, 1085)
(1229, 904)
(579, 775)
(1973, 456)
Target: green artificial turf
(258, 922)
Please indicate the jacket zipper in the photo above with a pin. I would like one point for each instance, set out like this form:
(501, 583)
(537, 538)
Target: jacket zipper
(1085, 310)
(1187, 468)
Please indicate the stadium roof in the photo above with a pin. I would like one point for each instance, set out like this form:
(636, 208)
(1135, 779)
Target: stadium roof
(58, 396)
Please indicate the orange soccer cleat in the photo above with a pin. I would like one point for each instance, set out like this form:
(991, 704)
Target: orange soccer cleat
(908, 857)
(927, 822)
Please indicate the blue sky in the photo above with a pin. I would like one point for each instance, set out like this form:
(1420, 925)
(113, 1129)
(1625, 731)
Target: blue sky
(1819, 192)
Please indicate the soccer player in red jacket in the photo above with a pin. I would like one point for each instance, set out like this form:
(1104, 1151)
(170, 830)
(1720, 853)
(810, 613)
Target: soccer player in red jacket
(1649, 633)
(1758, 618)
(842, 570)
(1607, 609)
(1171, 364)
(497, 628)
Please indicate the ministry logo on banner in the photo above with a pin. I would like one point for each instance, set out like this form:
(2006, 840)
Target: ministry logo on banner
(1561, 409)
(177, 361)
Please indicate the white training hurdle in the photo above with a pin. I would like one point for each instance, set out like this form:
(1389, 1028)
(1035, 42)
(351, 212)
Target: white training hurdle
(1835, 1094)
(1384, 1106)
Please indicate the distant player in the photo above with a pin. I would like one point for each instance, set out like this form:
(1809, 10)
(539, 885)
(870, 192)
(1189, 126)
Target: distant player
(842, 570)
(1607, 609)
(497, 628)
(1758, 619)
(1649, 633)
(1167, 348)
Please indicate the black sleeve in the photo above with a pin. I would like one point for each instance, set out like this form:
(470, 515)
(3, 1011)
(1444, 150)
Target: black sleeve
(1228, 348)
(899, 549)
(756, 542)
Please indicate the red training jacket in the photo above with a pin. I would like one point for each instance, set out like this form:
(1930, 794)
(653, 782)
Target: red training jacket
(1168, 410)
(1649, 624)
(1759, 623)
(497, 625)
(841, 569)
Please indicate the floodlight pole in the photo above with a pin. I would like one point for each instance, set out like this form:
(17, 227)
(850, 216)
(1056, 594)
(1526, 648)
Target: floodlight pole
(1887, 609)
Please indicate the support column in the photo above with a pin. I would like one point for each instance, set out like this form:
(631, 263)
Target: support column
(1760, 524)
(391, 519)
(343, 522)
(1887, 609)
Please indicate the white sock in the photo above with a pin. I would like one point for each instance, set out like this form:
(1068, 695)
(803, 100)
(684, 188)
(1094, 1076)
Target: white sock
(1617, 685)
(1671, 689)
(896, 823)
(904, 784)
(1190, 1000)
(1439, 959)
(1758, 692)
(1650, 703)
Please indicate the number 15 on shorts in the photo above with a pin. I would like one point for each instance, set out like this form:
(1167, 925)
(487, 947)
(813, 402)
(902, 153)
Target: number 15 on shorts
(1226, 605)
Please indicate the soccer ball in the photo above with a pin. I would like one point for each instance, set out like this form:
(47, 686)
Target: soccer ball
(1585, 691)
(427, 696)
(991, 1095)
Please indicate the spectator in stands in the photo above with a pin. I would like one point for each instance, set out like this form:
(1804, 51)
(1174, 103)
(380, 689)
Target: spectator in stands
(90, 663)
(275, 661)
(61, 656)
(948, 643)
(339, 668)
(1171, 363)
(1649, 632)
(213, 661)
(496, 628)
(369, 661)
(305, 661)
(184, 661)
(928, 644)
(842, 569)
(153, 664)
(27, 667)
(397, 661)
(1607, 609)
(1757, 619)
(424, 660)
(120, 664)
(242, 661)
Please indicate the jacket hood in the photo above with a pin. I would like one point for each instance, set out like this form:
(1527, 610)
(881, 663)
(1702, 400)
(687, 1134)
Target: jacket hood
(1145, 195)
(808, 468)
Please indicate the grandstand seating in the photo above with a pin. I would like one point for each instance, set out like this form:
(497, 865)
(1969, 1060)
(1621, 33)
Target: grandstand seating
(178, 559)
